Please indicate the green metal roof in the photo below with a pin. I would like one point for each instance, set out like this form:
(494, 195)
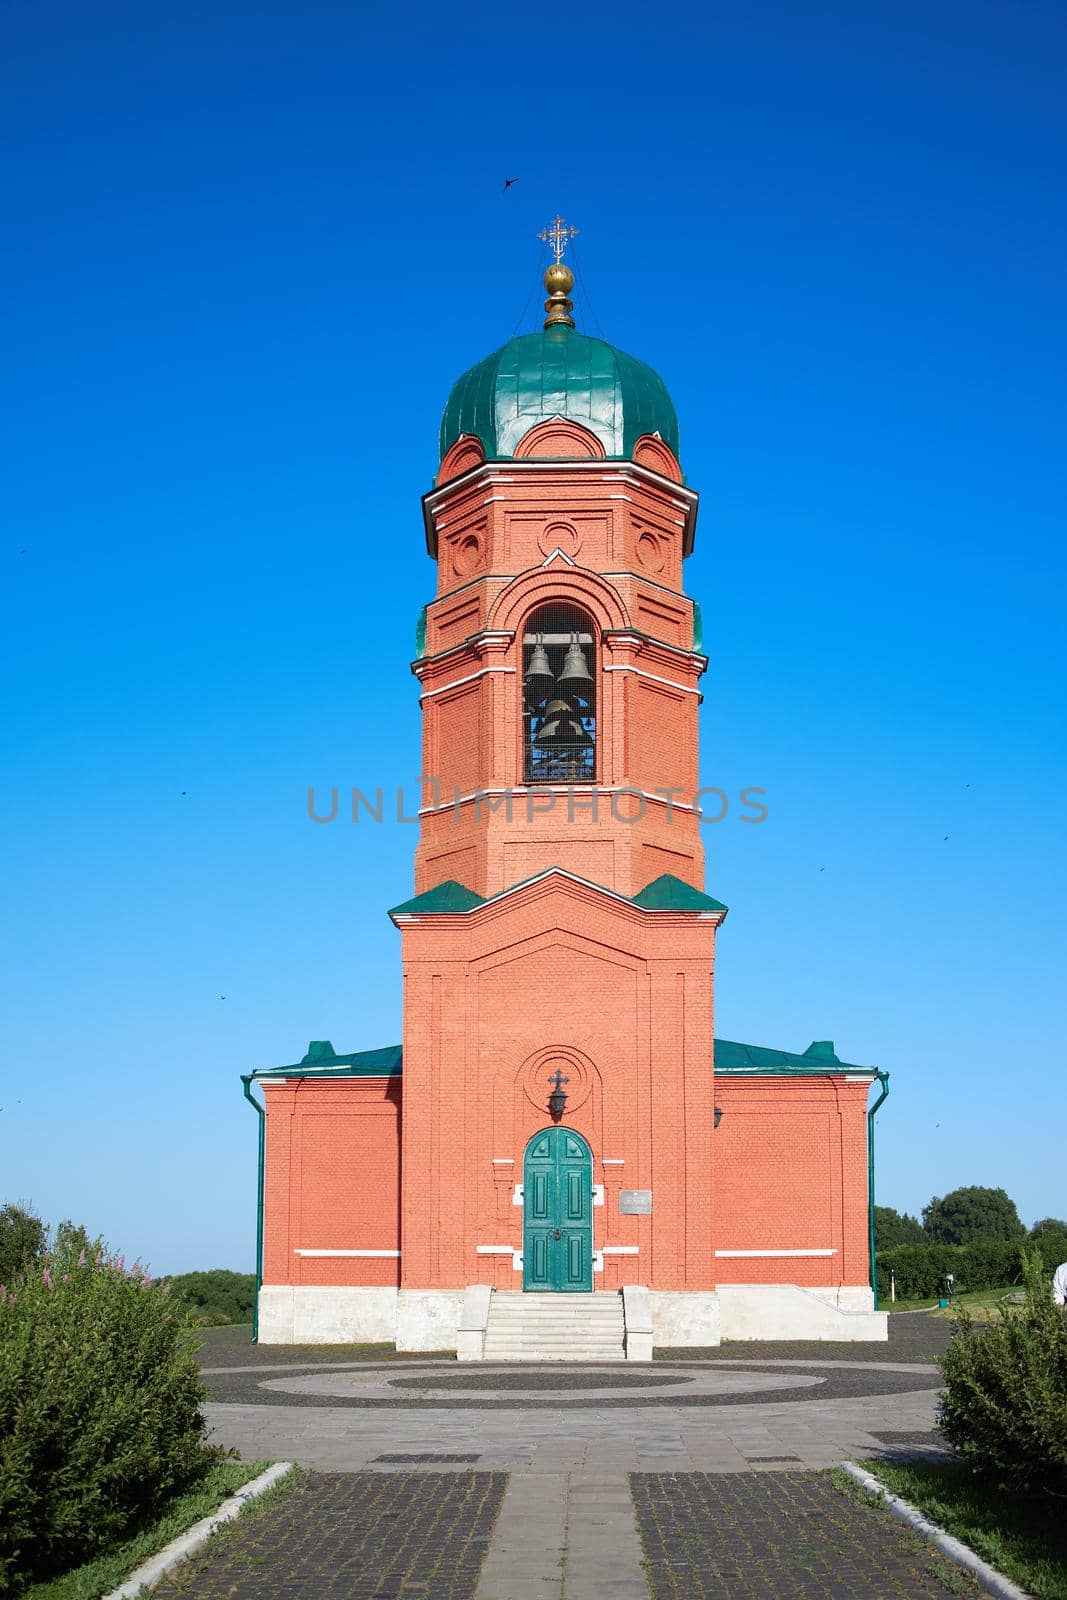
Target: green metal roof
(447, 896)
(755, 1060)
(666, 893)
(737, 1060)
(322, 1061)
(559, 373)
(669, 893)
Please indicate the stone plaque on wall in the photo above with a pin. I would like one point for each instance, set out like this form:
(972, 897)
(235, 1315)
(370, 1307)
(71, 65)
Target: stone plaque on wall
(635, 1202)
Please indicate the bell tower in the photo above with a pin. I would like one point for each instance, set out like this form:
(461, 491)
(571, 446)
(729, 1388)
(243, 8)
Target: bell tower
(558, 952)
(560, 656)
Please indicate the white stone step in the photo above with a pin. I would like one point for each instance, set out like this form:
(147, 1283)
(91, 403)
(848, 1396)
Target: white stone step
(561, 1356)
(554, 1327)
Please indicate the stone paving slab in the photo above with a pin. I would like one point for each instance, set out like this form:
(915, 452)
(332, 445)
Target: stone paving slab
(553, 1439)
(711, 1536)
(363, 1536)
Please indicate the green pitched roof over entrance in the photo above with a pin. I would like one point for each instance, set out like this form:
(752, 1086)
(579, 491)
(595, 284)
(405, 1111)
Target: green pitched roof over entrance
(559, 373)
(671, 894)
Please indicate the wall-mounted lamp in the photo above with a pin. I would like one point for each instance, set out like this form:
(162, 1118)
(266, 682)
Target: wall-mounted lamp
(557, 1100)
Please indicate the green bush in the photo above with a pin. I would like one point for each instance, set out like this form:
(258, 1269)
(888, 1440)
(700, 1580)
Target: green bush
(1050, 1237)
(920, 1269)
(1004, 1408)
(100, 1416)
(215, 1298)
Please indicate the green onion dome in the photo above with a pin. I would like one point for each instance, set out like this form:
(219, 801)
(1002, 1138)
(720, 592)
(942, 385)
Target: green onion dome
(559, 373)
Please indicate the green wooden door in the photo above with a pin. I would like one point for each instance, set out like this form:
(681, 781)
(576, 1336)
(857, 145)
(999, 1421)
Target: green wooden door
(557, 1235)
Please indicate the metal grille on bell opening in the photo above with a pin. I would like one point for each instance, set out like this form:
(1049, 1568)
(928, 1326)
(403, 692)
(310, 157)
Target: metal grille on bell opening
(559, 686)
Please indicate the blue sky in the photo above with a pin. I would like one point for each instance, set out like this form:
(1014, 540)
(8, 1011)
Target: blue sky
(245, 250)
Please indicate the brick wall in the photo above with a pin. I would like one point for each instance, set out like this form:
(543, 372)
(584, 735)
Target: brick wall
(332, 1180)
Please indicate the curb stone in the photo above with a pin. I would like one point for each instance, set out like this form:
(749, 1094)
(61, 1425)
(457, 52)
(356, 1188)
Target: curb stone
(992, 1581)
(150, 1572)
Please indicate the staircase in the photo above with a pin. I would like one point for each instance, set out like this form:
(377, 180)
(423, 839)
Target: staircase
(555, 1327)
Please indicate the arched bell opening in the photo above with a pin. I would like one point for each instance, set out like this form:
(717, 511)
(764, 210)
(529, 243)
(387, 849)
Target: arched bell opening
(559, 685)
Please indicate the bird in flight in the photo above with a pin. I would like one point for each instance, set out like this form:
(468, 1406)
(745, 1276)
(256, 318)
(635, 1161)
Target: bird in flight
(507, 184)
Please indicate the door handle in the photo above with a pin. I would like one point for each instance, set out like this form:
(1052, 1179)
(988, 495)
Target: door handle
(557, 1233)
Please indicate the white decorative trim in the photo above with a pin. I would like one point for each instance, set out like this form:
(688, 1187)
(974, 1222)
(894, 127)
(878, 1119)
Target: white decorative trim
(473, 640)
(627, 472)
(493, 1250)
(346, 1253)
(620, 1250)
(598, 1194)
(456, 683)
(639, 672)
(503, 1161)
(860, 1077)
(547, 562)
(613, 1161)
(734, 1254)
(578, 790)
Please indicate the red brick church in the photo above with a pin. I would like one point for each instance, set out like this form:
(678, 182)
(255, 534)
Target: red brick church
(561, 1157)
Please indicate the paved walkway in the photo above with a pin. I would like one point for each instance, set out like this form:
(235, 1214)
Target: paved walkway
(666, 1481)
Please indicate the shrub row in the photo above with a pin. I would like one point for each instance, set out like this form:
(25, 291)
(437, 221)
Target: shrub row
(920, 1269)
(100, 1418)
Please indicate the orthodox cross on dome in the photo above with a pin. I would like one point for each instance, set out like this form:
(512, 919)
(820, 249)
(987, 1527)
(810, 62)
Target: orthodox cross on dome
(559, 279)
(557, 235)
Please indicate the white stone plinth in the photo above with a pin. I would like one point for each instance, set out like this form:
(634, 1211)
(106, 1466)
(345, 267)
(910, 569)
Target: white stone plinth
(428, 1319)
(785, 1311)
(304, 1314)
(473, 1319)
(684, 1317)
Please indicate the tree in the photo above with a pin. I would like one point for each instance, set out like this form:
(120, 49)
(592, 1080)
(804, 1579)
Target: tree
(218, 1296)
(893, 1227)
(1050, 1236)
(974, 1213)
(23, 1238)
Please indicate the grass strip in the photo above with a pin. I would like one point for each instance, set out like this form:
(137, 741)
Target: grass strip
(1023, 1536)
(104, 1573)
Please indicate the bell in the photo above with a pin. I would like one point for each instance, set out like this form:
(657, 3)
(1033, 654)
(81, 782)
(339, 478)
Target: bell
(561, 726)
(539, 672)
(574, 663)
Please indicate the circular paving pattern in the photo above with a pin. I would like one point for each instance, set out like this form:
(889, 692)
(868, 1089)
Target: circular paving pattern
(438, 1386)
(528, 1380)
(527, 1386)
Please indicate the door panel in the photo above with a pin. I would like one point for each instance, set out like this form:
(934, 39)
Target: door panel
(557, 1214)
